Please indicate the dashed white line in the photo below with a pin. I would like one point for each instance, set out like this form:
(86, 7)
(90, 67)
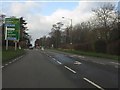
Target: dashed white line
(102, 63)
(93, 83)
(2, 66)
(59, 62)
(21, 56)
(13, 60)
(10, 62)
(53, 58)
(6, 64)
(115, 63)
(70, 69)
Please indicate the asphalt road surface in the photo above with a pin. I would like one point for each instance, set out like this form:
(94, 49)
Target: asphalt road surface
(53, 69)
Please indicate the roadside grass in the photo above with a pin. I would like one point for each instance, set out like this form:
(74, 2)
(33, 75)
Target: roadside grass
(0, 57)
(10, 54)
(93, 54)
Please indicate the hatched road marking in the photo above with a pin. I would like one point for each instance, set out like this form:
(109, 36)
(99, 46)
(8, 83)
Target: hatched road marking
(77, 62)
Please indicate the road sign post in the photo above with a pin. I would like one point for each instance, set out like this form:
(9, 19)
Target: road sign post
(12, 30)
(15, 45)
(6, 44)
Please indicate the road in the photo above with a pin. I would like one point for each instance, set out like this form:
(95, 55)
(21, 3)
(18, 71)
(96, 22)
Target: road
(53, 69)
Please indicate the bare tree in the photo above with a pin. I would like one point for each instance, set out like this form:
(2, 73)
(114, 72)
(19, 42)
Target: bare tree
(105, 16)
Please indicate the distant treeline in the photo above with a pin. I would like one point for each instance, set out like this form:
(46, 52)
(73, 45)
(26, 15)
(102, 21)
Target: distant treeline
(101, 33)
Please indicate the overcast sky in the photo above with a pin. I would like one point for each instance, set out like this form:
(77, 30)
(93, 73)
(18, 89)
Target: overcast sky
(41, 15)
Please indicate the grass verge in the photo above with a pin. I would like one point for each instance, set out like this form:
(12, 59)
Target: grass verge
(7, 55)
(93, 54)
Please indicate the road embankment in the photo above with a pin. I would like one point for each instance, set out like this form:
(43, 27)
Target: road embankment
(8, 55)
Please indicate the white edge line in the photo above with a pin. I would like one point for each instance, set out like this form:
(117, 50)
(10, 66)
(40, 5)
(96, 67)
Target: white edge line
(102, 63)
(10, 62)
(6, 64)
(2, 66)
(59, 62)
(115, 63)
(13, 60)
(70, 69)
(18, 58)
(93, 83)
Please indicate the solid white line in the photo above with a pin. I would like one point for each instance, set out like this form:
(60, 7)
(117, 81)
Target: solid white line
(93, 83)
(70, 69)
(59, 62)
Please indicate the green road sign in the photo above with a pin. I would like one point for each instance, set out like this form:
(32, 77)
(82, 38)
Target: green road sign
(12, 28)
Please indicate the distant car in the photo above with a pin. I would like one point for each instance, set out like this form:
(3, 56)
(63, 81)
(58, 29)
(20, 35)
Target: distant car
(42, 48)
(30, 47)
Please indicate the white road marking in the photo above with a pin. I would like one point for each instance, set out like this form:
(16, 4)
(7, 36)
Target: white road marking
(59, 62)
(77, 62)
(70, 69)
(50, 56)
(13, 60)
(115, 63)
(10, 62)
(6, 64)
(2, 66)
(53, 58)
(81, 56)
(21, 56)
(93, 83)
(18, 58)
(102, 63)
